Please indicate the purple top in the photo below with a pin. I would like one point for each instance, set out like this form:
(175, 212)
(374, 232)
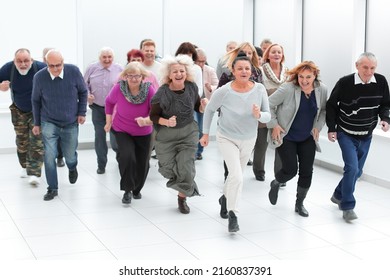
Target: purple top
(126, 112)
(100, 80)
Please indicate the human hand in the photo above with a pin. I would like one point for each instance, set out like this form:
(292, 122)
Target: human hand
(315, 133)
(171, 121)
(276, 131)
(81, 119)
(36, 130)
(4, 85)
(91, 98)
(332, 136)
(384, 126)
(107, 127)
(256, 111)
(204, 140)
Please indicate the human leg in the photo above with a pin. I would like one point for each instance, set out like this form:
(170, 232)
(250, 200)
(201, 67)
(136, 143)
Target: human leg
(101, 149)
(50, 136)
(259, 153)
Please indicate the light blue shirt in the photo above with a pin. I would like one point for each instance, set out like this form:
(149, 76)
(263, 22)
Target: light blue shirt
(236, 119)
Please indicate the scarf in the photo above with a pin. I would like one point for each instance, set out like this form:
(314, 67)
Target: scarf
(271, 75)
(135, 99)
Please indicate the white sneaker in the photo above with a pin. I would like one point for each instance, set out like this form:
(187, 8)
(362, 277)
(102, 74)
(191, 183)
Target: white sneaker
(34, 180)
(23, 174)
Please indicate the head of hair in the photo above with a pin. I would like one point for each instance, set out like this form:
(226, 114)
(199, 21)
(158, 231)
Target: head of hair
(143, 41)
(106, 50)
(187, 48)
(230, 44)
(169, 61)
(265, 41)
(22, 50)
(267, 51)
(135, 53)
(305, 65)
(132, 67)
(54, 52)
(241, 56)
(259, 51)
(201, 52)
(231, 56)
(370, 56)
(148, 42)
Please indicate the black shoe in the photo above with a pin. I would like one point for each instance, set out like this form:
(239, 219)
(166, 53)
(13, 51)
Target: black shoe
(154, 156)
(198, 157)
(73, 176)
(282, 185)
(273, 193)
(50, 195)
(183, 207)
(250, 163)
(137, 195)
(260, 178)
(126, 198)
(223, 212)
(60, 162)
(101, 171)
(233, 224)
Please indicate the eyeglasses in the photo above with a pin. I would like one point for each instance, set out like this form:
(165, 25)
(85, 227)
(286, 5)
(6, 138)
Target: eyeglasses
(52, 66)
(133, 77)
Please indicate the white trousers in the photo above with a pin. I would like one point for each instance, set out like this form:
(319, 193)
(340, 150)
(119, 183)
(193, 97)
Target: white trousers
(236, 154)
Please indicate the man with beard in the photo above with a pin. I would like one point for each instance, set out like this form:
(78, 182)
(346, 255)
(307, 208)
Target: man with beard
(17, 76)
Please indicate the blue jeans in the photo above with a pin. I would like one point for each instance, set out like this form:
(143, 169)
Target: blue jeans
(199, 119)
(354, 151)
(68, 137)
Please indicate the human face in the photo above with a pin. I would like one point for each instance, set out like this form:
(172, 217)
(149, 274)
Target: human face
(149, 52)
(242, 70)
(248, 51)
(23, 62)
(265, 46)
(106, 59)
(55, 63)
(306, 80)
(138, 59)
(231, 47)
(178, 75)
(366, 69)
(201, 61)
(275, 54)
(133, 78)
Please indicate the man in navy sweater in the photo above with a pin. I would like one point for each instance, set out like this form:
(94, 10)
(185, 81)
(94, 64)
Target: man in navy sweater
(17, 75)
(59, 101)
(351, 116)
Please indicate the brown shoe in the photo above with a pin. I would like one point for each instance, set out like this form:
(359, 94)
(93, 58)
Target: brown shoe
(183, 207)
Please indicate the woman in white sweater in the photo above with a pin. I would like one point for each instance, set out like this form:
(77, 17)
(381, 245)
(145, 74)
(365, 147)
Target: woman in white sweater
(242, 103)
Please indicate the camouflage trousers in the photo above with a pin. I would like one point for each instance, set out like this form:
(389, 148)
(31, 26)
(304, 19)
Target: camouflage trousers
(29, 147)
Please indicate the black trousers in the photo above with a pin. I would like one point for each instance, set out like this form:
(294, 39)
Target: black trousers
(297, 156)
(133, 158)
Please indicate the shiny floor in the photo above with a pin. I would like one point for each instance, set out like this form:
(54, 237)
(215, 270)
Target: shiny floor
(88, 221)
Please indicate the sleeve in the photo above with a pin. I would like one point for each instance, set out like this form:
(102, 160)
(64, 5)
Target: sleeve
(82, 94)
(111, 100)
(214, 103)
(276, 99)
(264, 108)
(332, 107)
(320, 122)
(36, 101)
(385, 104)
(87, 75)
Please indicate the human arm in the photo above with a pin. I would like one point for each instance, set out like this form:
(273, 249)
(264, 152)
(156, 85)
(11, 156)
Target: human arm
(141, 121)
(107, 126)
(4, 85)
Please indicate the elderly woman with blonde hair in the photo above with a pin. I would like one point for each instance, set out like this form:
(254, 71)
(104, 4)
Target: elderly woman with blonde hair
(132, 128)
(176, 131)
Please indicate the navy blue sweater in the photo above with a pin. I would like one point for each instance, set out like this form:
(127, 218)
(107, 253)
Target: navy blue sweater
(59, 101)
(21, 85)
(356, 107)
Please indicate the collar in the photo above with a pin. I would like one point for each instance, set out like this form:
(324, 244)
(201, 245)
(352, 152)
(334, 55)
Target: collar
(359, 81)
(61, 75)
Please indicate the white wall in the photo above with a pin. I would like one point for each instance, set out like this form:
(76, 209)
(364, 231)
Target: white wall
(330, 32)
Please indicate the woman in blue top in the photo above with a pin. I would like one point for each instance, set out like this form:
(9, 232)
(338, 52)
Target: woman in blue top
(298, 115)
(242, 103)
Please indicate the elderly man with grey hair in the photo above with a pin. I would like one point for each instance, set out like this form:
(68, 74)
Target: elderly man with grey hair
(100, 77)
(59, 104)
(352, 112)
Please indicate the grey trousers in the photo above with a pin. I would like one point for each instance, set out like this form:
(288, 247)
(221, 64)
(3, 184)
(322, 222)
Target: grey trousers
(175, 150)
